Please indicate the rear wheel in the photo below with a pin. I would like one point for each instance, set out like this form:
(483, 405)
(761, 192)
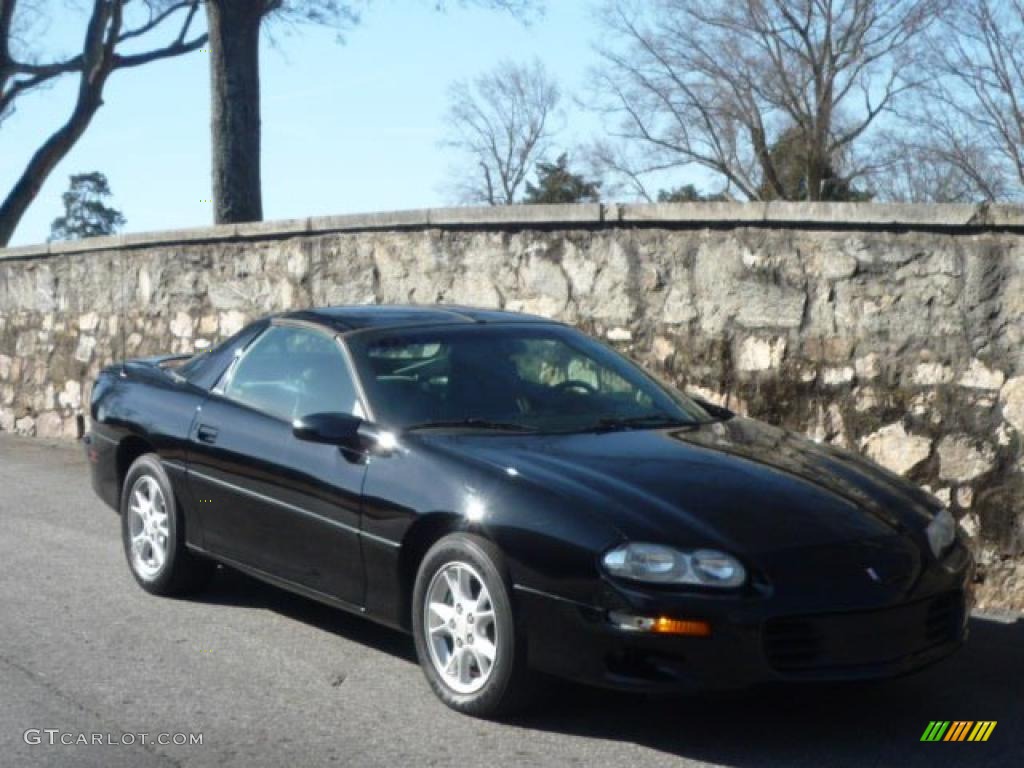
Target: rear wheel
(153, 533)
(466, 639)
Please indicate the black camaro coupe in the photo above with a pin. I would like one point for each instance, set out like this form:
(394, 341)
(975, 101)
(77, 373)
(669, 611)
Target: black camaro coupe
(522, 498)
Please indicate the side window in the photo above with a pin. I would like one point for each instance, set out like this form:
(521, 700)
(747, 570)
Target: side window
(410, 377)
(293, 372)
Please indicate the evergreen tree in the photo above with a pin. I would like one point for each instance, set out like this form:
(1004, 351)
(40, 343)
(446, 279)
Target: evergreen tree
(85, 213)
(789, 157)
(689, 194)
(556, 183)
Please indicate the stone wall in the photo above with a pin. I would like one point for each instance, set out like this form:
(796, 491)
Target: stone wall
(896, 331)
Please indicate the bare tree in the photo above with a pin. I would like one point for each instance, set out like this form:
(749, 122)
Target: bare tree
(717, 84)
(104, 35)
(502, 121)
(234, 27)
(940, 164)
(967, 125)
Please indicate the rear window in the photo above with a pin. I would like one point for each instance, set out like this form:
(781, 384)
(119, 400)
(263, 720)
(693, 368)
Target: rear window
(205, 369)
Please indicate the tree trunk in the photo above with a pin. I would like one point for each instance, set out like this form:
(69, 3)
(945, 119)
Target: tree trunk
(40, 167)
(97, 53)
(6, 18)
(815, 175)
(234, 29)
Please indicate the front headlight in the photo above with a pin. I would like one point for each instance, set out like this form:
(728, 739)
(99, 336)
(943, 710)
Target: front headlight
(657, 564)
(941, 532)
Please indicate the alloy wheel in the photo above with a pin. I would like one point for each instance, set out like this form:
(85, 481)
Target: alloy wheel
(148, 527)
(460, 627)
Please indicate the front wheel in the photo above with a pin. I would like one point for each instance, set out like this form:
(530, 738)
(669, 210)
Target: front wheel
(466, 638)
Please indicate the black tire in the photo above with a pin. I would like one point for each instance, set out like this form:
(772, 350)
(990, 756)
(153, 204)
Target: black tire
(181, 572)
(510, 684)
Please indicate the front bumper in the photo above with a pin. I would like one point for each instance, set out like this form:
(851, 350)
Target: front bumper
(755, 639)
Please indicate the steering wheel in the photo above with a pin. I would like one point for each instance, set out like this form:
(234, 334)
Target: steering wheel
(562, 386)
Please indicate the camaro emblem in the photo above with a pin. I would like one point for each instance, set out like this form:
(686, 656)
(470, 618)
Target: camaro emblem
(874, 575)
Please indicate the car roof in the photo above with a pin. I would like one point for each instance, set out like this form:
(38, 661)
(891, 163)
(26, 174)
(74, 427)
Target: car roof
(352, 318)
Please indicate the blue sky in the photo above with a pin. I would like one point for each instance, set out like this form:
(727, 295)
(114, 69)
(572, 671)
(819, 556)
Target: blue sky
(346, 128)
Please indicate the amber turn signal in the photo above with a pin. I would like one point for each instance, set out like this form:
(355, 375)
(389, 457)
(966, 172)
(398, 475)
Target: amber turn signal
(661, 625)
(666, 626)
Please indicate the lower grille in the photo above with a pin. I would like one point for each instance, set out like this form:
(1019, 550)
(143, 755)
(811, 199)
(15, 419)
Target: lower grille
(862, 638)
(945, 617)
(792, 643)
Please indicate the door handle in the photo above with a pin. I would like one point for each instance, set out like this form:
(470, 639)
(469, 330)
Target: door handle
(206, 434)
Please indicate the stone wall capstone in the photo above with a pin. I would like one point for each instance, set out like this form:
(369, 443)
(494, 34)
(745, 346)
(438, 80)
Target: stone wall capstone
(897, 331)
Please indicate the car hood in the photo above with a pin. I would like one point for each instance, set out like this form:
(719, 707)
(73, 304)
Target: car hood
(740, 485)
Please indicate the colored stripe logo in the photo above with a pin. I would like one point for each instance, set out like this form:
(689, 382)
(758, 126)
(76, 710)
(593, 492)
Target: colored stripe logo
(958, 730)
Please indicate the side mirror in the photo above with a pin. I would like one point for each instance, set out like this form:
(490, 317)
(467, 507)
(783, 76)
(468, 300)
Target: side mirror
(343, 430)
(340, 429)
(718, 411)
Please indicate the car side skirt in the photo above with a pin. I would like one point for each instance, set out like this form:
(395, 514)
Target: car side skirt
(298, 589)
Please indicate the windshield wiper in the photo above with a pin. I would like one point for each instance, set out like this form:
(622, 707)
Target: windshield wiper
(473, 423)
(610, 423)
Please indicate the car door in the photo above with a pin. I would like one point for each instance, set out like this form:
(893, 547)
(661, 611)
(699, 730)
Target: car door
(286, 507)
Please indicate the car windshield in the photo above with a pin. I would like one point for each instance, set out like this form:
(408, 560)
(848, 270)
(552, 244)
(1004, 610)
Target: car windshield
(511, 378)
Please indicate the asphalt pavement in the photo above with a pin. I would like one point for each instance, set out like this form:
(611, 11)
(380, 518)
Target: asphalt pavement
(265, 678)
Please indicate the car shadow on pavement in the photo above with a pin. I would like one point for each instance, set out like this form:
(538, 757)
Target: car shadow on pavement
(877, 724)
(231, 587)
